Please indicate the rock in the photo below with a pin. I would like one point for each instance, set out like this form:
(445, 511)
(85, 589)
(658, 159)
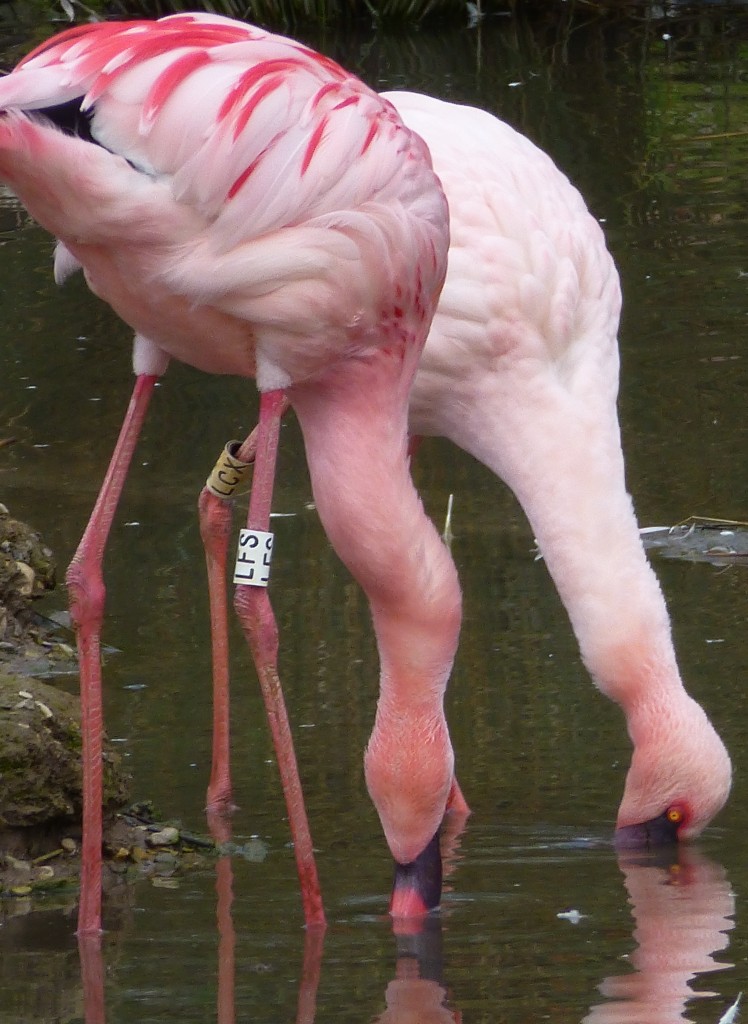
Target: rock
(27, 569)
(168, 836)
(165, 859)
(21, 866)
(34, 863)
(27, 577)
(29, 643)
(40, 757)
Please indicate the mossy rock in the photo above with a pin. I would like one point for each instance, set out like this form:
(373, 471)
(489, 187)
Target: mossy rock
(27, 570)
(40, 757)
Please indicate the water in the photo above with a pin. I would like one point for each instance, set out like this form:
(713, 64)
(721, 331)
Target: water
(654, 131)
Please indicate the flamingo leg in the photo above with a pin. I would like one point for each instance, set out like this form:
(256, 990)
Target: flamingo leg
(215, 507)
(306, 1006)
(255, 613)
(86, 592)
(456, 802)
(215, 527)
(215, 514)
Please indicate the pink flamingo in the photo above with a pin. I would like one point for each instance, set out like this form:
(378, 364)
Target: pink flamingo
(248, 207)
(521, 370)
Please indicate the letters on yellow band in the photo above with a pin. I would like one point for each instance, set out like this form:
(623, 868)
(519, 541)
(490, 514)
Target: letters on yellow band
(228, 473)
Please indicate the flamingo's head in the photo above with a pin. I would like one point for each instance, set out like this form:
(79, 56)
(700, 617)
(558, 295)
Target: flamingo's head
(679, 778)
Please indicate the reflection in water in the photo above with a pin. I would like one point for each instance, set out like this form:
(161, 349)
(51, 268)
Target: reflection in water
(313, 945)
(226, 941)
(92, 978)
(306, 1007)
(683, 911)
(416, 993)
(313, 940)
(449, 841)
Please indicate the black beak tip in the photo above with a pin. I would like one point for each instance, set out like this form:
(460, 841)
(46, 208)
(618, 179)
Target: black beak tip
(647, 835)
(417, 889)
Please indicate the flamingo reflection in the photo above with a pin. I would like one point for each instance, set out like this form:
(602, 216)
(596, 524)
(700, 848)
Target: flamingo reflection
(313, 941)
(683, 910)
(92, 978)
(417, 993)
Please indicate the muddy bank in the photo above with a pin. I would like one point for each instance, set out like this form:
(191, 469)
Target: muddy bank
(40, 756)
(40, 734)
(41, 803)
(40, 866)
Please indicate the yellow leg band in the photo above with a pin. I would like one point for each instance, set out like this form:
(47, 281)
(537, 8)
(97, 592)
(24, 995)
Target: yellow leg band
(228, 473)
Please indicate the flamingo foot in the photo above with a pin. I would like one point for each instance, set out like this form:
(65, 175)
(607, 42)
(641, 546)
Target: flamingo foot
(418, 885)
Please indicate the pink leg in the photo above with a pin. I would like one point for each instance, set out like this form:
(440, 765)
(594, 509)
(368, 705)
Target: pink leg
(258, 622)
(215, 507)
(86, 594)
(456, 802)
(215, 528)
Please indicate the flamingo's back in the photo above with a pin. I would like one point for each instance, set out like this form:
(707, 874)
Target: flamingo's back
(530, 280)
(233, 170)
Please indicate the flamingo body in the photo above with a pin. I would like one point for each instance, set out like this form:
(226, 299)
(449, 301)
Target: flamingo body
(521, 370)
(248, 207)
(233, 239)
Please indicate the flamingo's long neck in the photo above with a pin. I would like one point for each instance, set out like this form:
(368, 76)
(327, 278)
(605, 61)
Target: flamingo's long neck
(587, 531)
(560, 453)
(355, 432)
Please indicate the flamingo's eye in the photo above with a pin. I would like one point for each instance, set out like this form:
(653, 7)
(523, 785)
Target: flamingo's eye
(675, 815)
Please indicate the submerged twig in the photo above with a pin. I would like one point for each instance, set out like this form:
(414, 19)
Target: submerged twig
(716, 135)
(48, 856)
(715, 521)
(447, 535)
(732, 1013)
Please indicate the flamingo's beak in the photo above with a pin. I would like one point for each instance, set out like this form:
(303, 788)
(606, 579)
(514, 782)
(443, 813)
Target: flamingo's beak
(418, 885)
(659, 831)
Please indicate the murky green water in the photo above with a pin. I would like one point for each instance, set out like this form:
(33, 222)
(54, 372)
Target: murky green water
(655, 132)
